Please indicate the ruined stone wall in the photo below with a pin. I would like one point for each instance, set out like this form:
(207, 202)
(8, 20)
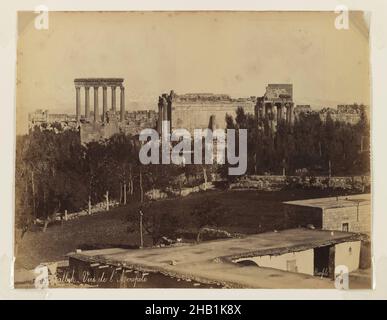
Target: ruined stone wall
(343, 113)
(62, 117)
(43, 119)
(136, 121)
(265, 183)
(341, 117)
(200, 110)
(38, 116)
(271, 183)
(206, 114)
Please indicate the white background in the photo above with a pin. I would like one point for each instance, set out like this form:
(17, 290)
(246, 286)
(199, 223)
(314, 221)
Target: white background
(8, 38)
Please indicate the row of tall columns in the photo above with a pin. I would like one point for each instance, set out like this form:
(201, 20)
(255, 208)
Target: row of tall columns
(279, 113)
(289, 113)
(104, 102)
(270, 111)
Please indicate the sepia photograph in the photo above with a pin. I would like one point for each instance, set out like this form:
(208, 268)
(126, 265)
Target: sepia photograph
(193, 149)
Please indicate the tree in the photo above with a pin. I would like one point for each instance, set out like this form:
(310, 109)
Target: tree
(120, 150)
(49, 175)
(156, 223)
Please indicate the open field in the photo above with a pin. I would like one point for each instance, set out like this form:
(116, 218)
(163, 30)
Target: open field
(247, 212)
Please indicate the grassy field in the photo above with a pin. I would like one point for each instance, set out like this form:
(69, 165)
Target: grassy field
(247, 212)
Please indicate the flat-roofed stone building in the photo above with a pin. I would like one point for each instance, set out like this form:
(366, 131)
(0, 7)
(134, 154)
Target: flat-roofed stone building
(313, 252)
(298, 251)
(345, 213)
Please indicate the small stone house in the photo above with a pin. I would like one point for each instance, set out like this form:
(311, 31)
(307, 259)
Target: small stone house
(345, 213)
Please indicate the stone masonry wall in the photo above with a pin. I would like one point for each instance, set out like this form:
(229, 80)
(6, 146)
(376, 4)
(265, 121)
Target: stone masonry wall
(138, 120)
(357, 217)
(272, 183)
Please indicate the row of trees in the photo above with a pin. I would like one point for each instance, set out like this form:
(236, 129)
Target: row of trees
(55, 172)
(311, 145)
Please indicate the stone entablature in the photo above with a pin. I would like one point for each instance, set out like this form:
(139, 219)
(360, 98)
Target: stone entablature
(99, 82)
(279, 92)
(209, 97)
(350, 114)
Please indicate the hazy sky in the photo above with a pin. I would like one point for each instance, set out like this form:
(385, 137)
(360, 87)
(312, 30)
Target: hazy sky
(232, 53)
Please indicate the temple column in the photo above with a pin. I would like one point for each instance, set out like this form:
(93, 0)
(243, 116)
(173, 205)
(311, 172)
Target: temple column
(104, 103)
(288, 114)
(256, 112)
(169, 107)
(78, 103)
(261, 112)
(271, 117)
(95, 104)
(279, 113)
(274, 112)
(160, 119)
(291, 114)
(122, 104)
(114, 99)
(165, 112)
(87, 104)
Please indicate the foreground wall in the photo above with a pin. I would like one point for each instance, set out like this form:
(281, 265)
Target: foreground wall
(301, 261)
(277, 182)
(348, 254)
